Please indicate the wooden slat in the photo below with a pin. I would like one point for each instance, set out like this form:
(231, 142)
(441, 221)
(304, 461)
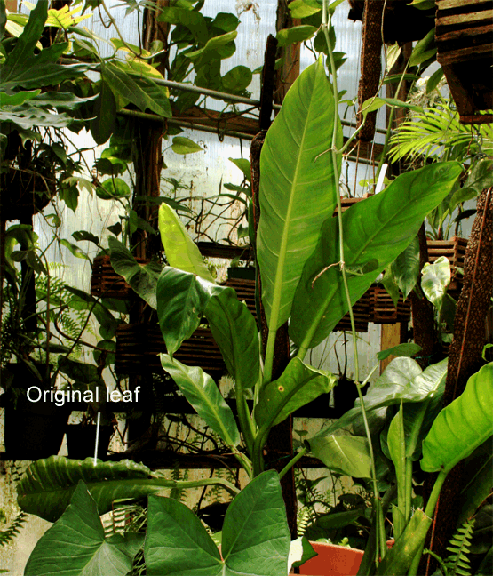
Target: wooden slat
(447, 4)
(464, 54)
(486, 15)
(465, 32)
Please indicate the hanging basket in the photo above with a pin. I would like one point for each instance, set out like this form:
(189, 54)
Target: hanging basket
(25, 193)
(106, 283)
(382, 309)
(245, 290)
(138, 347)
(455, 250)
(464, 38)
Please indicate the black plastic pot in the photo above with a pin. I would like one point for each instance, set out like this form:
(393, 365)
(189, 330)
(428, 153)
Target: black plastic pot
(81, 440)
(34, 428)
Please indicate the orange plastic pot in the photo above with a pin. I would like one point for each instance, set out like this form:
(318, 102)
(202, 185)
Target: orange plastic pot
(334, 560)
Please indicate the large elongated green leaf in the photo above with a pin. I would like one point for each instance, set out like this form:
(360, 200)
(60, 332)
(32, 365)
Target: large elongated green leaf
(298, 385)
(255, 537)
(203, 394)
(76, 544)
(399, 557)
(49, 484)
(181, 301)
(180, 249)
(141, 277)
(347, 455)
(461, 426)
(377, 229)
(297, 190)
(235, 331)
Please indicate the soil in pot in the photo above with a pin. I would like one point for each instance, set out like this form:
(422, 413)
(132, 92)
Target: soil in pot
(81, 440)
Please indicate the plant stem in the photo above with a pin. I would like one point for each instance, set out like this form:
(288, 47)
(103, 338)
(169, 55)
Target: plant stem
(292, 462)
(342, 264)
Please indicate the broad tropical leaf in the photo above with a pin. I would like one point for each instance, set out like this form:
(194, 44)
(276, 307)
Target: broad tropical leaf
(461, 426)
(181, 301)
(180, 249)
(255, 537)
(435, 280)
(298, 385)
(297, 190)
(235, 331)
(76, 544)
(346, 455)
(376, 231)
(48, 485)
(203, 394)
(402, 380)
(405, 268)
(142, 278)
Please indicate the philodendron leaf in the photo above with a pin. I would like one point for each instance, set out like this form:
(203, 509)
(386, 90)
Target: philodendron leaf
(181, 301)
(435, 280)
(142, 278)
(49, 484)
(346, 455)
(203, 394)
(76, 544)
(255, 536)
(461, 426)
(403, 380)
(379, 227)
(180, 249)
(235, 331)
(405, 268)
(298, 385)
(297, 190)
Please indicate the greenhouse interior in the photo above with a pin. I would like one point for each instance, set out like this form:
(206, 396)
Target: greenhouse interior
(246, 287)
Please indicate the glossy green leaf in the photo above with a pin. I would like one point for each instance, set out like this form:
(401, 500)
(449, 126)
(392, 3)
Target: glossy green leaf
(17, 98)
(243, 164)
(424, 49)
(346, 455)
(181, 301)
(193, 20)
(434, 80)
(237, 79)
(180, 249)
(296, 34)
(113, 188)
(461, 426)
(378, 228)
(297, 192)
(405, 349)
(49, 484)
(226, 22)
(399, 557)
(435, 280)
(142, 278)
(255, 536)
(481, 175)
(302, 9)
(103, 125)
(74, 249)
(76, 544)
(405, 268)
(235, 331)
(203, 394)
(22, 67)
(298, 385)
(184, 146)
(215, 47)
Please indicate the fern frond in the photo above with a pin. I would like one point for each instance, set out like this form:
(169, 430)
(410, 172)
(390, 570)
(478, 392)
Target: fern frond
(458, 563)
(7, 536)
